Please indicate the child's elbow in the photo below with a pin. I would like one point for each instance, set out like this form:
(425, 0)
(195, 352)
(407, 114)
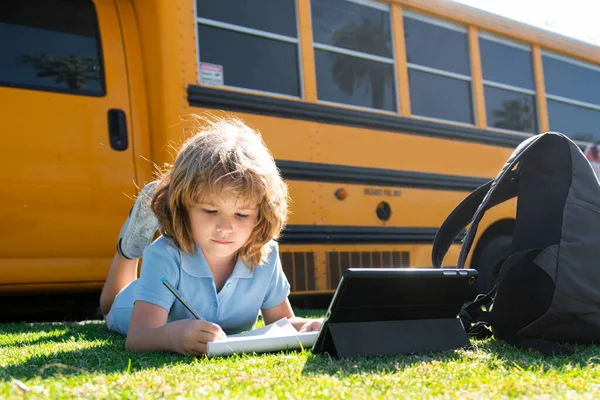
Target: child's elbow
(130, 344)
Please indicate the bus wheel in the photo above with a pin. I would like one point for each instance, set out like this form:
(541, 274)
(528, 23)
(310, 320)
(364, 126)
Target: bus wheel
(488, 261)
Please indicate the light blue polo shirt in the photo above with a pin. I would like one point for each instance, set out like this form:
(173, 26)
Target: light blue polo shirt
(235, 308)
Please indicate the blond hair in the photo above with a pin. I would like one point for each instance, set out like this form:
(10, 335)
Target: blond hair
(223, 154)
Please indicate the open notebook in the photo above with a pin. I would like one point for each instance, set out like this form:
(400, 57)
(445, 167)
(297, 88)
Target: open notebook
(280, 335)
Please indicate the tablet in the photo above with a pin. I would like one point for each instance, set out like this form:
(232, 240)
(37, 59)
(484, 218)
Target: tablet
(369, 295)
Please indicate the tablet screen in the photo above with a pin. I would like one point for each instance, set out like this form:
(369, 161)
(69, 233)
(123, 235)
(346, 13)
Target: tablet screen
(403, 293)
(424, 300)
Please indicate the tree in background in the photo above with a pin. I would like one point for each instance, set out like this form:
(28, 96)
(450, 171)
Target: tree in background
(74, 71)
(350, 72)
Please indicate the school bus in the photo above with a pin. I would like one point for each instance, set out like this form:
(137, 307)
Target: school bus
(382, 117)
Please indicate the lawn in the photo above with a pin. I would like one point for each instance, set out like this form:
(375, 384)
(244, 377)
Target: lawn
(85, 360)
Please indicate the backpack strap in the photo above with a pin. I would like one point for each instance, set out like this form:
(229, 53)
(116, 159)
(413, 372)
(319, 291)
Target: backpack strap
(478, 316)
(506, 184)
(471, 316)
(471, 209)
(463, 214)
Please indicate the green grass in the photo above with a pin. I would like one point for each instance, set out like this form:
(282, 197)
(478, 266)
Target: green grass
(85, 360)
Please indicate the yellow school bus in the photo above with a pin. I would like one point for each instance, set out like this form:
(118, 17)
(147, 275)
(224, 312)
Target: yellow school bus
(382, 117)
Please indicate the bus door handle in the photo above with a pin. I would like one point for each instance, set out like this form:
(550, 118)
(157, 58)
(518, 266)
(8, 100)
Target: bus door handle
(117, 129)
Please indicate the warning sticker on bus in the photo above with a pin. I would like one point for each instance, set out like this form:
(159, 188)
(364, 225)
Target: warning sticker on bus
(382, 192)
(592, 153)
(211, 74)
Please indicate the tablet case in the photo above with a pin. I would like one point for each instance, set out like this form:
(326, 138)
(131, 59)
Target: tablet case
(396, 311)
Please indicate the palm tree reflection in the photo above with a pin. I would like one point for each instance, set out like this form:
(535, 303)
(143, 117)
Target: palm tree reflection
(351, 73)
(516, 115)
(74, 71)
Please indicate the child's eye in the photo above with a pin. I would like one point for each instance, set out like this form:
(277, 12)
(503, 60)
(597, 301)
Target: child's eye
(206, 211)
(242, 216)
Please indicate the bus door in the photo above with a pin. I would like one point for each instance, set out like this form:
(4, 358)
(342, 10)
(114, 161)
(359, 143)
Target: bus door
(67, 166)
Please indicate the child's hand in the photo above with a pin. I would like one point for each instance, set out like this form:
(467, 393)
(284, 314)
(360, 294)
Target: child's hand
(312, 325)
(193, 335)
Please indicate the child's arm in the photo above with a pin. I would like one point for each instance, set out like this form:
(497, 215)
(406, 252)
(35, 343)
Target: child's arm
(284, 309)
(149, 331)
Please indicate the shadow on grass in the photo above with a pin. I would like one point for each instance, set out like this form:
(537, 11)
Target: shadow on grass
(104, 350)
(58, 307)
(104, 353)
(41, 333)
(491, 352)
(584, 355)
(318, 364)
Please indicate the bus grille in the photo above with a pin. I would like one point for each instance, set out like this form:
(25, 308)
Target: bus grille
(337, 262)
(299, 267)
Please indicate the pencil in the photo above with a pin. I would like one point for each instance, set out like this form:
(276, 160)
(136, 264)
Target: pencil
(178, 297)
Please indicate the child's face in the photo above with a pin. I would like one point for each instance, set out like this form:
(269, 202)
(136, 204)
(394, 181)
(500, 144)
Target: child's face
(222, 225)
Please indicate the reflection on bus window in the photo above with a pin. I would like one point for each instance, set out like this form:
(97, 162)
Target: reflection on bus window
(356, 81)
(53, 46)
(353, 54)
(253, 51)
(506, 63)
(251, 62)
(439, 71)
(509, 88)
(507, 109)
(437, 96)
(573, 95)
(436, 46)
(255, 14)
(582, 84)
(352, 26)
(579, 123)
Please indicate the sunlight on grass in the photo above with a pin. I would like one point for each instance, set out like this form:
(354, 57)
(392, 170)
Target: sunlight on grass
(7, 339)
(85, 360)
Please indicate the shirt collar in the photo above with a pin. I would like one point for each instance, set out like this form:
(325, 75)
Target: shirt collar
(196, 265)
(241, 271)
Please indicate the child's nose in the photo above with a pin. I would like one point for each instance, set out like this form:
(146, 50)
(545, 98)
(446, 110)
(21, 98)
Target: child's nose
(224, 225)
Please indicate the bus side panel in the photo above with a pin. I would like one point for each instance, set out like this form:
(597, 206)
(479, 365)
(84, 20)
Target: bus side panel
(63, 194)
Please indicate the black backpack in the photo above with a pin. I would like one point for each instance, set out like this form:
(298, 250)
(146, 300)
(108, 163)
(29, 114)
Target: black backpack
(548, 289)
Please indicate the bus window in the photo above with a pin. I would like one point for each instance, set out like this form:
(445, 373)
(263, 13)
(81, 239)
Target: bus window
(354, 56)
(439, 71)
(508, 84)
(436, 96)
(573, 95)
(252, 49)
(579, 123)
(53, 46)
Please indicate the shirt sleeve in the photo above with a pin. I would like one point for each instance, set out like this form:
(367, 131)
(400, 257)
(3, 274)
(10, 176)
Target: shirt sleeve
(279, 287)
(157, 263)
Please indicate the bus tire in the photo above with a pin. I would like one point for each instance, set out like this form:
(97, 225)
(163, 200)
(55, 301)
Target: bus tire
(489, 260)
